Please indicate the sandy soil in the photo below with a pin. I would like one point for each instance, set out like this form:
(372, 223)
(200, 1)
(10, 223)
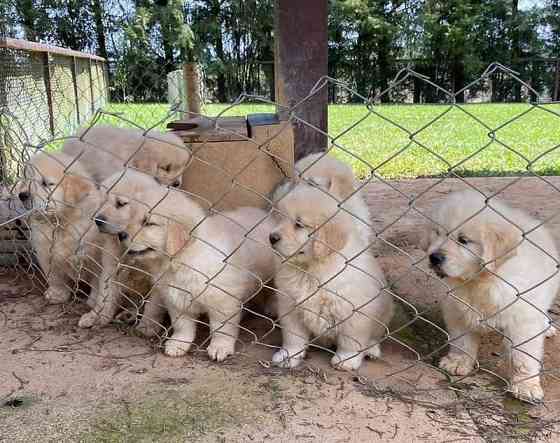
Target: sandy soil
(61, 383)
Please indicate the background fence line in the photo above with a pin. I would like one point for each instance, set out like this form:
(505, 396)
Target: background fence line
(63, 87)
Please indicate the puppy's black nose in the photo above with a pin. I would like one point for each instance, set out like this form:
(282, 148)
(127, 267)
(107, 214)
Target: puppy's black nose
(176, 183)
(437, 258)
(24, 196)
(274, 238)
(100, 220)
(122, 235)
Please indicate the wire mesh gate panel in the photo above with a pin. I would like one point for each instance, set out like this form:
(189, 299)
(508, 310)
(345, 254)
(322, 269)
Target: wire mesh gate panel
(325, 268)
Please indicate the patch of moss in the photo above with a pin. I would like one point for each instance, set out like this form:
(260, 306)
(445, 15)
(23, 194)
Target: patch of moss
(421, 334)
(168, 416)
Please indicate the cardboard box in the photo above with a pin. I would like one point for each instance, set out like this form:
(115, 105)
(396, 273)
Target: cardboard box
(237, 161)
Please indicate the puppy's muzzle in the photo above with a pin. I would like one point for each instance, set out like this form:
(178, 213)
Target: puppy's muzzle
(104, 226)
(436, 259)
(26, 200)
(24, 196)
(274, 238)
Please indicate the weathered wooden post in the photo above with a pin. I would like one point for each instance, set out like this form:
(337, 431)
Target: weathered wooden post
(301, 59)
(193, 94)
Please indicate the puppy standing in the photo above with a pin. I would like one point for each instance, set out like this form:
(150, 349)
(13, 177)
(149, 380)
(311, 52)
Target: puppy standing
(64, 200)
(208, 264)
(486, 253)
(106, 150)
(320, 294)
(130, 194)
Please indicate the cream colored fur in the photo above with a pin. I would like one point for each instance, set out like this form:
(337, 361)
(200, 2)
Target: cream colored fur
(337, 179)
(106, 150)
(68, 246)
(321, 299)
(190, 248)
(500, 282)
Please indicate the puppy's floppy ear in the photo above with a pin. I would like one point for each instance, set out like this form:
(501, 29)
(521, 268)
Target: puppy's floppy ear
(500, 241)
(143, 162)
(339, 186)
(329, 238)
(77, 188)
(177, 238)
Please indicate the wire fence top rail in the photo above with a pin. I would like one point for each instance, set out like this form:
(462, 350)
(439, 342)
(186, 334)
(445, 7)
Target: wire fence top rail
(24, 45)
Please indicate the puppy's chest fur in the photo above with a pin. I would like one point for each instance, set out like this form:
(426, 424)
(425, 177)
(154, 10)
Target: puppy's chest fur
(481, 302)
(320, 308)
(65, 246)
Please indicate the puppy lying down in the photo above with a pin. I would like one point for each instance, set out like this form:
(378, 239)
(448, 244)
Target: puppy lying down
(209, 264)
(502, 268)
(106, 150)
(329, 290)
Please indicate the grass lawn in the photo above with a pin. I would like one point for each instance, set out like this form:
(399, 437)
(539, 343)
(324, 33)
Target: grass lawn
(398, 141)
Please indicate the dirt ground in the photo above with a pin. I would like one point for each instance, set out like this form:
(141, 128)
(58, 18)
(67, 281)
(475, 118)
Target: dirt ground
(62, 383)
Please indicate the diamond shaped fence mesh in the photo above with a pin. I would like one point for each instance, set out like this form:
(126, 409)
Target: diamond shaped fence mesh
(446, 282)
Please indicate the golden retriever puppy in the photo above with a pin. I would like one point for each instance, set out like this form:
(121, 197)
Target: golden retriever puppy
(63, 200)
(324, 289)
(105, 150)
(129, 195)
(208, 264)
(502, 267)
(338, 180)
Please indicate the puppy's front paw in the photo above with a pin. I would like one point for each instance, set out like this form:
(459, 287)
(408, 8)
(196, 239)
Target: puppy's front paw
(148, 329)
(88, 320)
(347, 361)
(528, 390)
(219, 351)
(92, 318)
(57, 295)
(286, 359)
(374, 352)
(176, 348)
(457, 364)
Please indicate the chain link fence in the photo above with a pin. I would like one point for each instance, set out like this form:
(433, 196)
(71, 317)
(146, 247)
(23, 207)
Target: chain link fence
(209, 240)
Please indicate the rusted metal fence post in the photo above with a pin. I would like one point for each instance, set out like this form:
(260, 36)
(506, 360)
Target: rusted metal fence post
(48, 90)
(74, 70)
(301, 59)
(193, 95)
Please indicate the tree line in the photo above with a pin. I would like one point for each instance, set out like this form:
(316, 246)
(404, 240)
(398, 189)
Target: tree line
(450, 41)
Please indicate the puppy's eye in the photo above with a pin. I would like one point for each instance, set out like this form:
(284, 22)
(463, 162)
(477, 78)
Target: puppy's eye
(299, 224)
(120, 204)
(463, 240)
(147, 222)
(46, 184)
(166, 168)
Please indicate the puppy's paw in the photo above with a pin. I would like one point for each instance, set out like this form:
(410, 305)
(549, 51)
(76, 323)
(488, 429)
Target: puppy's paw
(88, 320)
(530, 390)
(286, 359)
(457, 364)
(57, 295)
(176, 348)
(347, 361)
(220, 350)
(148, 329)
(374, 352)
(551, 332)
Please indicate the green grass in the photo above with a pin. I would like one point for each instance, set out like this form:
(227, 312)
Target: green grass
(404, 141)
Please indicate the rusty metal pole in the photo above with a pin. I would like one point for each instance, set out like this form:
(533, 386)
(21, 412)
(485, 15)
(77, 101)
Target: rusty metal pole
(301, 59)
